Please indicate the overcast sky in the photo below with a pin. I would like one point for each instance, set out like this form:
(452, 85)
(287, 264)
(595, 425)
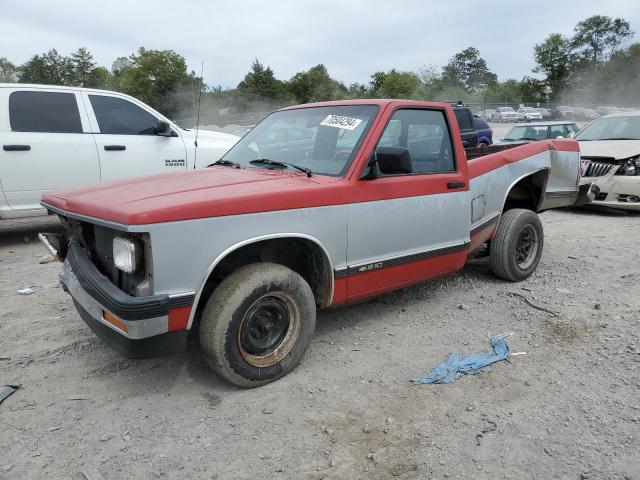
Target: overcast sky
(353, 38)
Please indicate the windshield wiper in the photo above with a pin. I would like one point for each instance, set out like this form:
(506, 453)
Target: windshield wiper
(278, 163)
(226, 163)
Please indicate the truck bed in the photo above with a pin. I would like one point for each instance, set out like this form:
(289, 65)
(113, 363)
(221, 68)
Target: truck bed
(477, 152)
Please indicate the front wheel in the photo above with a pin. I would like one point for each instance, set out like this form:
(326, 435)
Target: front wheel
(517, 246)
(257, 324)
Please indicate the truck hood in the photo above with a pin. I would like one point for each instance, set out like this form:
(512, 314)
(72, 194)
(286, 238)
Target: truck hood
(210, 192)
(206, 136)
(618, 149)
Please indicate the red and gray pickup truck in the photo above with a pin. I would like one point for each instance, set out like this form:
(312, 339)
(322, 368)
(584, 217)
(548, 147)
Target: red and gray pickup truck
(372, 196)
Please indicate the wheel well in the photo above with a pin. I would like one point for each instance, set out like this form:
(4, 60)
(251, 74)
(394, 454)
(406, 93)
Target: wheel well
(527, 192)
(301, 255)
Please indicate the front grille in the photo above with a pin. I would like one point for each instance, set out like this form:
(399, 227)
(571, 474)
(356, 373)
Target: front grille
(98, 243)
(591, 168)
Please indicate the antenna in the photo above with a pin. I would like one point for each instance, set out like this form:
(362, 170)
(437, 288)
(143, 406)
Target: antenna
(198, 114)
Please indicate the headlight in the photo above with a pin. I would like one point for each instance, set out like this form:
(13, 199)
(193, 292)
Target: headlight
(125, 257)
(631, 167)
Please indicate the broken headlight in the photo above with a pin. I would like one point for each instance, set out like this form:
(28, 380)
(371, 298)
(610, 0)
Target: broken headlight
(630, 167)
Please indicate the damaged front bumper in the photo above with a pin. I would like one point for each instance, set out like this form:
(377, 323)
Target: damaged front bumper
(136, 327)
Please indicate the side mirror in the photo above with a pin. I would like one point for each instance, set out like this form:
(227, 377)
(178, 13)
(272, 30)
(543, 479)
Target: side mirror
(393, 160)
(163, 129)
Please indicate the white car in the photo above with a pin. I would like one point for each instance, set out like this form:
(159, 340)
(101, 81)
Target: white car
(610, 153)
(504, 114)
(529, 114)
(58, 137)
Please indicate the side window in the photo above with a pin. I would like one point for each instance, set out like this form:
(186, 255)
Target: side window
(51, 112)
(391, 135)
(117, 116)
(425, 134)
(464, 119)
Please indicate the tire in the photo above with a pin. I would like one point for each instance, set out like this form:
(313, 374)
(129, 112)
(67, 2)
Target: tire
(509, 256)
(257, 324)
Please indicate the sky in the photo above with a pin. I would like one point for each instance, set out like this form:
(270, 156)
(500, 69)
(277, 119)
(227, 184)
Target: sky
(352, 38)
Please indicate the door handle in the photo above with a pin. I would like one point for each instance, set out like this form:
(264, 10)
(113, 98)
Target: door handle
(452, 185)
(112, 148)
(16, 148)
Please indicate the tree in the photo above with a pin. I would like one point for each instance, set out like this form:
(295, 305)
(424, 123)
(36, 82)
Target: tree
(554, 59)
(260, 84)
(597, 37)
(82, 64)
(394, 84)
(152, 76)
(50, 68)
(8, 71)
(533, 90)
(469, 69)
(315, 85)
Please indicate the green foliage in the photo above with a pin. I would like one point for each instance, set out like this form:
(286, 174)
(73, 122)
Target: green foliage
(8, 71)
(152, 76)
(394, 84)
(554, 58)
(260, 84)
(597, 37)
(315, 85)
(468, 69)
(50, 68)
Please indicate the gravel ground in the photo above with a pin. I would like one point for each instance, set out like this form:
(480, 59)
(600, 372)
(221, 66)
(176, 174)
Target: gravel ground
(569, 408)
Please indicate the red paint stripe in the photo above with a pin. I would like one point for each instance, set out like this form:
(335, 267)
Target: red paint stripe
(366, 285)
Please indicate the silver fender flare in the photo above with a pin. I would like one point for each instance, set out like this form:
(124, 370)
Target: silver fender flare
(249, 241)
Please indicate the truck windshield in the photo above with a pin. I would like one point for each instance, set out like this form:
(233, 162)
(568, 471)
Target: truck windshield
(321, 139)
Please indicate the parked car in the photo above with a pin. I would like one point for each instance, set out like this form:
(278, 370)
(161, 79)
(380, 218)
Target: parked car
(505, 114)
(242, 131)
(485, 132)
(610, 152)
(590, 114)
(606, 110)
(535, 131)
(58, 137)
(566, 112)
(488, 114)
(247, 250)
(545, 112)
(528, 114)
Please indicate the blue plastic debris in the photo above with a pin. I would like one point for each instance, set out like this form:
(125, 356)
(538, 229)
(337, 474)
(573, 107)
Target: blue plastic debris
(454, 366)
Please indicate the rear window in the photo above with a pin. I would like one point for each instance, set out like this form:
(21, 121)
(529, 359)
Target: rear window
(50, 112)
(464, 119)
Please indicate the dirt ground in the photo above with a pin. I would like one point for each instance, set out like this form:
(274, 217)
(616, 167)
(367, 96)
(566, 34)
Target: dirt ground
(569, 408)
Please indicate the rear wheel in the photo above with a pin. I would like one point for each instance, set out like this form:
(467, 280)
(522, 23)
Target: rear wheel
(517, 246)
(257, 324)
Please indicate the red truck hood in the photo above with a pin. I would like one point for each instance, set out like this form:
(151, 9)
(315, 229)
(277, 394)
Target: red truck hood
(210, 192)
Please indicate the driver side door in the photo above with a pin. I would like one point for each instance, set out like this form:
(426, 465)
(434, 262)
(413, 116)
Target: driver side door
(127, 143)
(408, 227)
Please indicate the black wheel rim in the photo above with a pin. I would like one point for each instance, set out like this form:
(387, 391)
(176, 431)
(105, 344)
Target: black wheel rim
(526, 247)
(265, 326)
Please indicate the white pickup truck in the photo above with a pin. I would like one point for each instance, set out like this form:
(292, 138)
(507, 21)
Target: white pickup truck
(56, 137)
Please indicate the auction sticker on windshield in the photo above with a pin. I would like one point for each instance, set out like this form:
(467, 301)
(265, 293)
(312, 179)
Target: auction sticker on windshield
(338, 121)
